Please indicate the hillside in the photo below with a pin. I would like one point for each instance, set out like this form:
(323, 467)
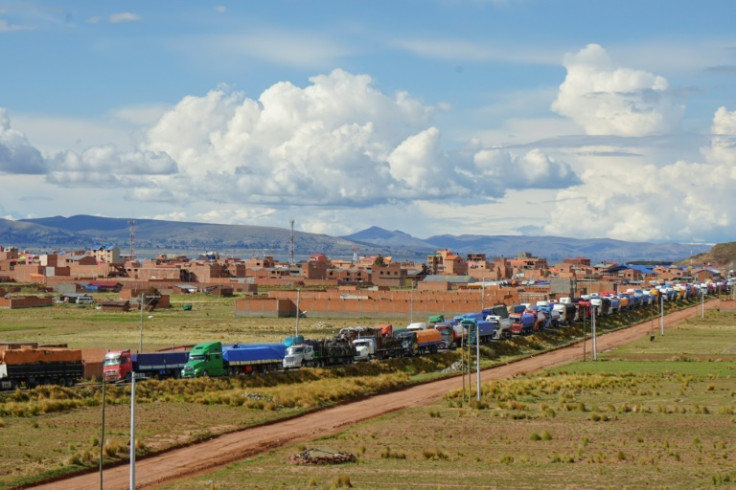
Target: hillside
(554, 249)
(188, 238)
(722, 254)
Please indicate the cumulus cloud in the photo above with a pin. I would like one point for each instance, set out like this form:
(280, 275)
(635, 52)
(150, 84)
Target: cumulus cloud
(723, 138)
(534, 168)
(17, 155)
(338, 141)
(605, 99)
(104, 165)
(678, 201)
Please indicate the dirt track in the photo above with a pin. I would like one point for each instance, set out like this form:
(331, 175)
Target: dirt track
(201, 458)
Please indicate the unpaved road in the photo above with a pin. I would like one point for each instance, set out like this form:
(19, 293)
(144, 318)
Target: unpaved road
(200, 458)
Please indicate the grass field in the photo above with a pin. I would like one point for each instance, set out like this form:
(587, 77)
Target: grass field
(211, 318)
(49, 430)
(658, 414)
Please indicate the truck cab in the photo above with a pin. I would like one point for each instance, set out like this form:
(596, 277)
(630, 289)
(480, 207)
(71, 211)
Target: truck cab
(365, 348)
(205, 360)
(298, 355)
(117, 366)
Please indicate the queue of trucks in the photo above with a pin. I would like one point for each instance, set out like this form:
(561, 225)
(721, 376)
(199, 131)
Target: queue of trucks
(31, 365)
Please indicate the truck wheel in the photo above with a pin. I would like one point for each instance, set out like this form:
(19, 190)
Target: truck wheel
(205, 374)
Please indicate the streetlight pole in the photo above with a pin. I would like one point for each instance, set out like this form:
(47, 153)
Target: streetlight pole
(661, 313)
(102, 435)
(477, 343)
(702, 304)
(140, 344)
(132, 432)
(592, 326)
(298, 310)
(411, 304)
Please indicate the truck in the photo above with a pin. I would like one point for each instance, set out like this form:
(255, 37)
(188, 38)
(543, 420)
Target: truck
(377, 344)
(418, 342)
(317, 352)
(448, 335)
(216, 359)
(33, 365)
(120, 365)
(489, 329)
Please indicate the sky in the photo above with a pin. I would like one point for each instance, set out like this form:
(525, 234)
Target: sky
(583, 119)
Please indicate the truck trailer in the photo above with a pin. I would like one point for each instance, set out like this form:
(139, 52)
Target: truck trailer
(317, 352)
(32, 366)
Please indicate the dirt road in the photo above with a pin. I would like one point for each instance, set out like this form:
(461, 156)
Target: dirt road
(206, 456)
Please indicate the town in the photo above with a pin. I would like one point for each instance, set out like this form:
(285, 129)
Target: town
(374, 286)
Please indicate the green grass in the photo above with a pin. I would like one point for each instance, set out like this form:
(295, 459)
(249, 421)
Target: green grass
(627, 421)
(185, 410)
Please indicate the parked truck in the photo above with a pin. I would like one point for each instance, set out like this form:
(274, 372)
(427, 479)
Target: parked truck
(216, 359)
(120, 365)
(377, 343)
(490, 329)
(418, 342)
(32, 366)
(317, 352)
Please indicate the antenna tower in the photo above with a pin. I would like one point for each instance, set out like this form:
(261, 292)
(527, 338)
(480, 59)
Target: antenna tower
(291, 243)
(132, 239)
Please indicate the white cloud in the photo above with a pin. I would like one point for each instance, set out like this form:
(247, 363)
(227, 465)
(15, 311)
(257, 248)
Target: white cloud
(723, 138)
(337, 143)
(124, 17)
(608, 100)
(17, 156)
(678, 201)
(534, 168)
(104, 165)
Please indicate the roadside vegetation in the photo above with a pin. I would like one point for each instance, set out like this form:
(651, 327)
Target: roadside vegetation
(656, 414)
(52, 430)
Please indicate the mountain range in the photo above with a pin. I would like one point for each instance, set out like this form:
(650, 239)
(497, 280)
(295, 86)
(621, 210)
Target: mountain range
(151, 237)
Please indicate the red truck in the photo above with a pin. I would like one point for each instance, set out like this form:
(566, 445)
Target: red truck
(119, 365)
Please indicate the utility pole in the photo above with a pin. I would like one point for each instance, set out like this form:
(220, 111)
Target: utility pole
(477, 344)
(661, 313)
(140, 343)
(291, 244)
(411, 303)
(102, 435)
(592, 327)
(585, 336)
(132, 432)
(702, 305)
(298, 310)
(462, 363)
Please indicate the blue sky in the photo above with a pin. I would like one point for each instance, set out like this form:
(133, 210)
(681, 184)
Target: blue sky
(571, 118)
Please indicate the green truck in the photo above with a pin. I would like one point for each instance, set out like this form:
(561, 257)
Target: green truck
(216, 359)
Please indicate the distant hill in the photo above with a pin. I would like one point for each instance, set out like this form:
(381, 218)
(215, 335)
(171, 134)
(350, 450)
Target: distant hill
(160, 236)
(191, 239)
(722, 255)
(554, 249)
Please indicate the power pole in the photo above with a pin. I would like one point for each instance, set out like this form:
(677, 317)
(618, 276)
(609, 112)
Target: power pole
(132, 239)
(291, 244)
